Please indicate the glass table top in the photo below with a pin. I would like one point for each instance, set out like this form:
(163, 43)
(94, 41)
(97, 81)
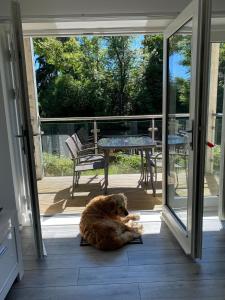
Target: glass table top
(126, 142)
(176, 139)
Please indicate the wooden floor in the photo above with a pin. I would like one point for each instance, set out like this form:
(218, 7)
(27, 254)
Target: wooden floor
(158, 269)
(55, 193)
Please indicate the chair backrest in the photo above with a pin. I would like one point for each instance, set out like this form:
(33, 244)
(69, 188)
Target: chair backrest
(72, 147)
(83, 135)
(77, 142)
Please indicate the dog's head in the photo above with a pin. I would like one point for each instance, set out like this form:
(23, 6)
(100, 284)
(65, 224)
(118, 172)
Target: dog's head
(117, 204)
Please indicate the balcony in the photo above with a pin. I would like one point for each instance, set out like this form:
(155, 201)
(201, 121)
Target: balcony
(124, 170)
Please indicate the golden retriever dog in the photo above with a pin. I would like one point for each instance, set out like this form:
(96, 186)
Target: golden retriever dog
(106, 224)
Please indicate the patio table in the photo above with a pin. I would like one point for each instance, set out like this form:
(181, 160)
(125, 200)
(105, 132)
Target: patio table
(143, 143)
(174, 139)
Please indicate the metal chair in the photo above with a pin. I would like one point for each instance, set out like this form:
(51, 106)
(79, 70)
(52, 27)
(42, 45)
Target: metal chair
(82, 162)
(178, 165)
(149, 170)
(157, 163)
(83, 148)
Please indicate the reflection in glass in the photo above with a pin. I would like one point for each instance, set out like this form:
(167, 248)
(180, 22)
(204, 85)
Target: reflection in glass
(179, 73)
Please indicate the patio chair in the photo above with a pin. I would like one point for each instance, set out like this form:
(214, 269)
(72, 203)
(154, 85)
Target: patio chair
(178, 164)
(83, 148)
(149, 165)
(157, 162)
(156, 158)
(82, 162)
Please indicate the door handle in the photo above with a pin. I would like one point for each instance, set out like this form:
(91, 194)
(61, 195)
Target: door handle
(23, 136)
(183, 132)
(34, 134)
(188, 133)
(38, 133)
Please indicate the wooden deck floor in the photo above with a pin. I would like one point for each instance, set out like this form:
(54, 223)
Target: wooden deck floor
(55, 193)
(156, 270)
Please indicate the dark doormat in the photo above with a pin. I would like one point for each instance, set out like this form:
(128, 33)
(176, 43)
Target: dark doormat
(134, 242)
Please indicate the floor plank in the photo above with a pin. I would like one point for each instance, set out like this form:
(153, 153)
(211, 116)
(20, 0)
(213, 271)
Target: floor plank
(157, 257)
(151, 273)
(46, 277)
(189, 290)
(158, 269)
(83, 258)
(99, 292)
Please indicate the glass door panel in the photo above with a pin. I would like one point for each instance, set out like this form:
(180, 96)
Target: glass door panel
(179, 80)
(185, 91)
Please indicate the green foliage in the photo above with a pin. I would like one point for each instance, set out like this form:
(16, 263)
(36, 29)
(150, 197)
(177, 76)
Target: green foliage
(121, 163)
(216, 157)
(92, 76)
(220, 90)
(57, 166)
(149, 83)
(129, 161)
(121, 64)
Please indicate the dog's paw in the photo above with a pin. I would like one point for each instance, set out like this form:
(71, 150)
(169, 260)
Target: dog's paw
(136, 217)
(138, 228)
(136, 235)
(130, 223)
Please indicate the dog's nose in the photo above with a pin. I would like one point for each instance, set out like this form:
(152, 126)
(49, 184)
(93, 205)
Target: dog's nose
(126, 213)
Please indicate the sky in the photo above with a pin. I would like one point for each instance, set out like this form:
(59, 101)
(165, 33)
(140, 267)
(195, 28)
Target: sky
(176, 68)
(137, 42)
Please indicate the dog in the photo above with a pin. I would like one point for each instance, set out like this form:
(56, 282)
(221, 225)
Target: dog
(106, 224)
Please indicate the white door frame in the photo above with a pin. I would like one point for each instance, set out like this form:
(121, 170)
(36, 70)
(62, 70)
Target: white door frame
(221, 206)
(27, 131)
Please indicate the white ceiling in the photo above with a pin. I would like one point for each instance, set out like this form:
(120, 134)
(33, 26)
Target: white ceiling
(110, 26)
(91, 26)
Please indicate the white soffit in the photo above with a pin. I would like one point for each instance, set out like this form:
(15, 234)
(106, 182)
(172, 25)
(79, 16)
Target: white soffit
(65, 28)
(110, 26)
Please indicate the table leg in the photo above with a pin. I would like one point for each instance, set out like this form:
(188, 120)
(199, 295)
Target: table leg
(106, 169)
(149, 168)
(142, 168)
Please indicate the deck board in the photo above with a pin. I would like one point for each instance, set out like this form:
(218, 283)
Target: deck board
(55, 193)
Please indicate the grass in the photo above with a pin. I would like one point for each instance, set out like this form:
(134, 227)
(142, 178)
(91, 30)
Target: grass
(120, 163)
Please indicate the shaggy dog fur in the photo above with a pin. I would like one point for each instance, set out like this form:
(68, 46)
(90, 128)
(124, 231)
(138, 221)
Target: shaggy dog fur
(106, 224)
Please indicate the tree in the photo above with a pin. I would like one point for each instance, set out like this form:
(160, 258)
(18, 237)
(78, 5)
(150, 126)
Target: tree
(121, 62)
(94, 76)
(149, 98)
(73, 76)
(220, 91)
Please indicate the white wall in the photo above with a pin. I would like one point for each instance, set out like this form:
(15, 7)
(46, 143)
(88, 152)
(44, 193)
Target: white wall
(56, 8)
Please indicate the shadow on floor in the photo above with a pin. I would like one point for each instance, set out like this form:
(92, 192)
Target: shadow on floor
(139, 198)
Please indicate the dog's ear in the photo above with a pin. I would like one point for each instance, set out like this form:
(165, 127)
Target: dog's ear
(122, 195)
(111, 204)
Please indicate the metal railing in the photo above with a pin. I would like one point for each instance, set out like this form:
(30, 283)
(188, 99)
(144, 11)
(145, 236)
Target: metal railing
(152, 128)
(56, 131)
